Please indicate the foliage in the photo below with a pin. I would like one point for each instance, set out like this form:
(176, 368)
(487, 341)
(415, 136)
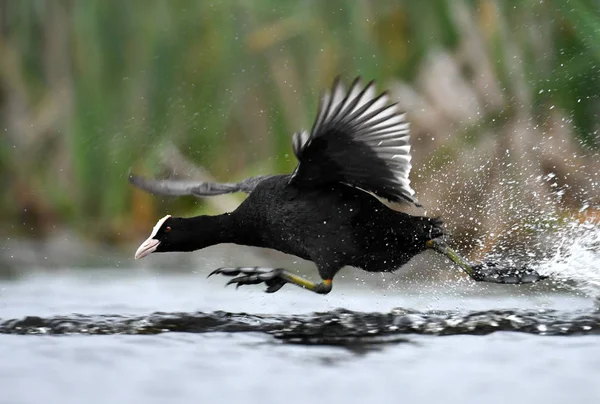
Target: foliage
(93, 89)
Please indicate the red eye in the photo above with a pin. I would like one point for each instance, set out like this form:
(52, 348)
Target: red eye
(168, 229)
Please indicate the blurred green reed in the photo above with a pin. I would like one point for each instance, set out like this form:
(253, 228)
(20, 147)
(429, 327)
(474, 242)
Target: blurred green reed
(90, 90)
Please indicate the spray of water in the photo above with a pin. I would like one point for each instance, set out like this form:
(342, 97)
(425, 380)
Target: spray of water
(521, 214)
(575, 256)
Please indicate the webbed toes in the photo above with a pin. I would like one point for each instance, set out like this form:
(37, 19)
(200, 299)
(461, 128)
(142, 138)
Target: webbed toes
(253, 276)
(234, 271)
(491, 272)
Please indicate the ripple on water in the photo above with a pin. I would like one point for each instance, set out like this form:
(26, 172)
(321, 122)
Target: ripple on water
(338, 327)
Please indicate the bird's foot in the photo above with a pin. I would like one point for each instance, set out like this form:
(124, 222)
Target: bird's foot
(274, 278)
(253, 276)
(492, 272)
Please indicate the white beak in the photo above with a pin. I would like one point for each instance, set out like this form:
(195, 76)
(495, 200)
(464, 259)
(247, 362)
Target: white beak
(147, 247)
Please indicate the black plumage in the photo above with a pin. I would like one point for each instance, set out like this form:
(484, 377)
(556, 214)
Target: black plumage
(328, 210)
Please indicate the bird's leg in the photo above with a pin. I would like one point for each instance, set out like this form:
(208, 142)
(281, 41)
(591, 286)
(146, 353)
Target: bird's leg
(488, 272)
(442, 248)
(274, 278)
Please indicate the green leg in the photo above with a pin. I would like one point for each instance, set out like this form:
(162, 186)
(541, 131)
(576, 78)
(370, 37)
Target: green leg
(442, 248)
(322, 287)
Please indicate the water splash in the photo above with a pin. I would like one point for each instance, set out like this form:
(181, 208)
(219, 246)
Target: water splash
(535, 226)
(576, 256)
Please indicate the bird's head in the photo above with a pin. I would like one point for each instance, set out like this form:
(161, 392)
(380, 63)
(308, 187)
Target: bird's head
(185, 234)
(164, 234)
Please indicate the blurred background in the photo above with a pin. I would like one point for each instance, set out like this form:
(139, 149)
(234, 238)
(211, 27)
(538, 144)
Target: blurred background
(503, 99)
(502, 96)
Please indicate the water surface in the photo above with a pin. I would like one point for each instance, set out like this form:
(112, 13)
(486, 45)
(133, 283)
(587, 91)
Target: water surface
(258, 362)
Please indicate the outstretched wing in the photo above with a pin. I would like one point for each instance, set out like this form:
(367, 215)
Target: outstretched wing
(360, 139)
(200, 189)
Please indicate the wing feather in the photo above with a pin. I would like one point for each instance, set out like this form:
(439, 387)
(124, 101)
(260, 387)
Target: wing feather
(196, 188)
(358, 138)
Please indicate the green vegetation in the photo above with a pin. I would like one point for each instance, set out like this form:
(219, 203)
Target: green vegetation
(93, 89)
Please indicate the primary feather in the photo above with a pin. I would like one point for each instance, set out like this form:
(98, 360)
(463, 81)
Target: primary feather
(358, 138)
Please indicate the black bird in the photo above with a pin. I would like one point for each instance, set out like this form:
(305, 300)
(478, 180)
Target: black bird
(330, 209)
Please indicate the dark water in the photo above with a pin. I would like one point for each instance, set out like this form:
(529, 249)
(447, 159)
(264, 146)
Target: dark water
(100, 336)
